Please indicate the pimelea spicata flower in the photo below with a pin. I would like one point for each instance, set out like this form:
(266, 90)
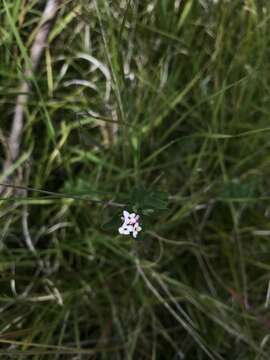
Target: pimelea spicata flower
(130, 224)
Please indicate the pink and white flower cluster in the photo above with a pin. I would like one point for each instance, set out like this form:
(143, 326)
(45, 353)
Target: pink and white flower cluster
(130, 224)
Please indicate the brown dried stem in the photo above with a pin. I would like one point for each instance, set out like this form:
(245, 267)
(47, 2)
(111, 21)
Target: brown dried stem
(40, 42)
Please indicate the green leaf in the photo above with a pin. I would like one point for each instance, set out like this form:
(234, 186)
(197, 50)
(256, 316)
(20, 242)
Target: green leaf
(241, 189)
(148, 200)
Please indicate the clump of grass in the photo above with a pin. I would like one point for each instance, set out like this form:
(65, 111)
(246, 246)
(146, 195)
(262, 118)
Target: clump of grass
(161, 94)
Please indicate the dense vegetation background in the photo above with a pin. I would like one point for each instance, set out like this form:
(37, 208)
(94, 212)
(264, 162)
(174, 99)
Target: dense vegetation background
(165, 94)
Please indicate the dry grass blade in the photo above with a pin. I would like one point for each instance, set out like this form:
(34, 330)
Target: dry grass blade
(14, 142)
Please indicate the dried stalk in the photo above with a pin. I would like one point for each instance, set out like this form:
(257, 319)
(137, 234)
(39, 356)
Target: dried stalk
(40, 42)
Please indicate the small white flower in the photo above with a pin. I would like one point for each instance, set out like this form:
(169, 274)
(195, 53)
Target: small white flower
(130, 224)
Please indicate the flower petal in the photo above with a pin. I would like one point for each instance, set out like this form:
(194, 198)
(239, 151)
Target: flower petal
(126, 214)
(125, 229)
(120, 230)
